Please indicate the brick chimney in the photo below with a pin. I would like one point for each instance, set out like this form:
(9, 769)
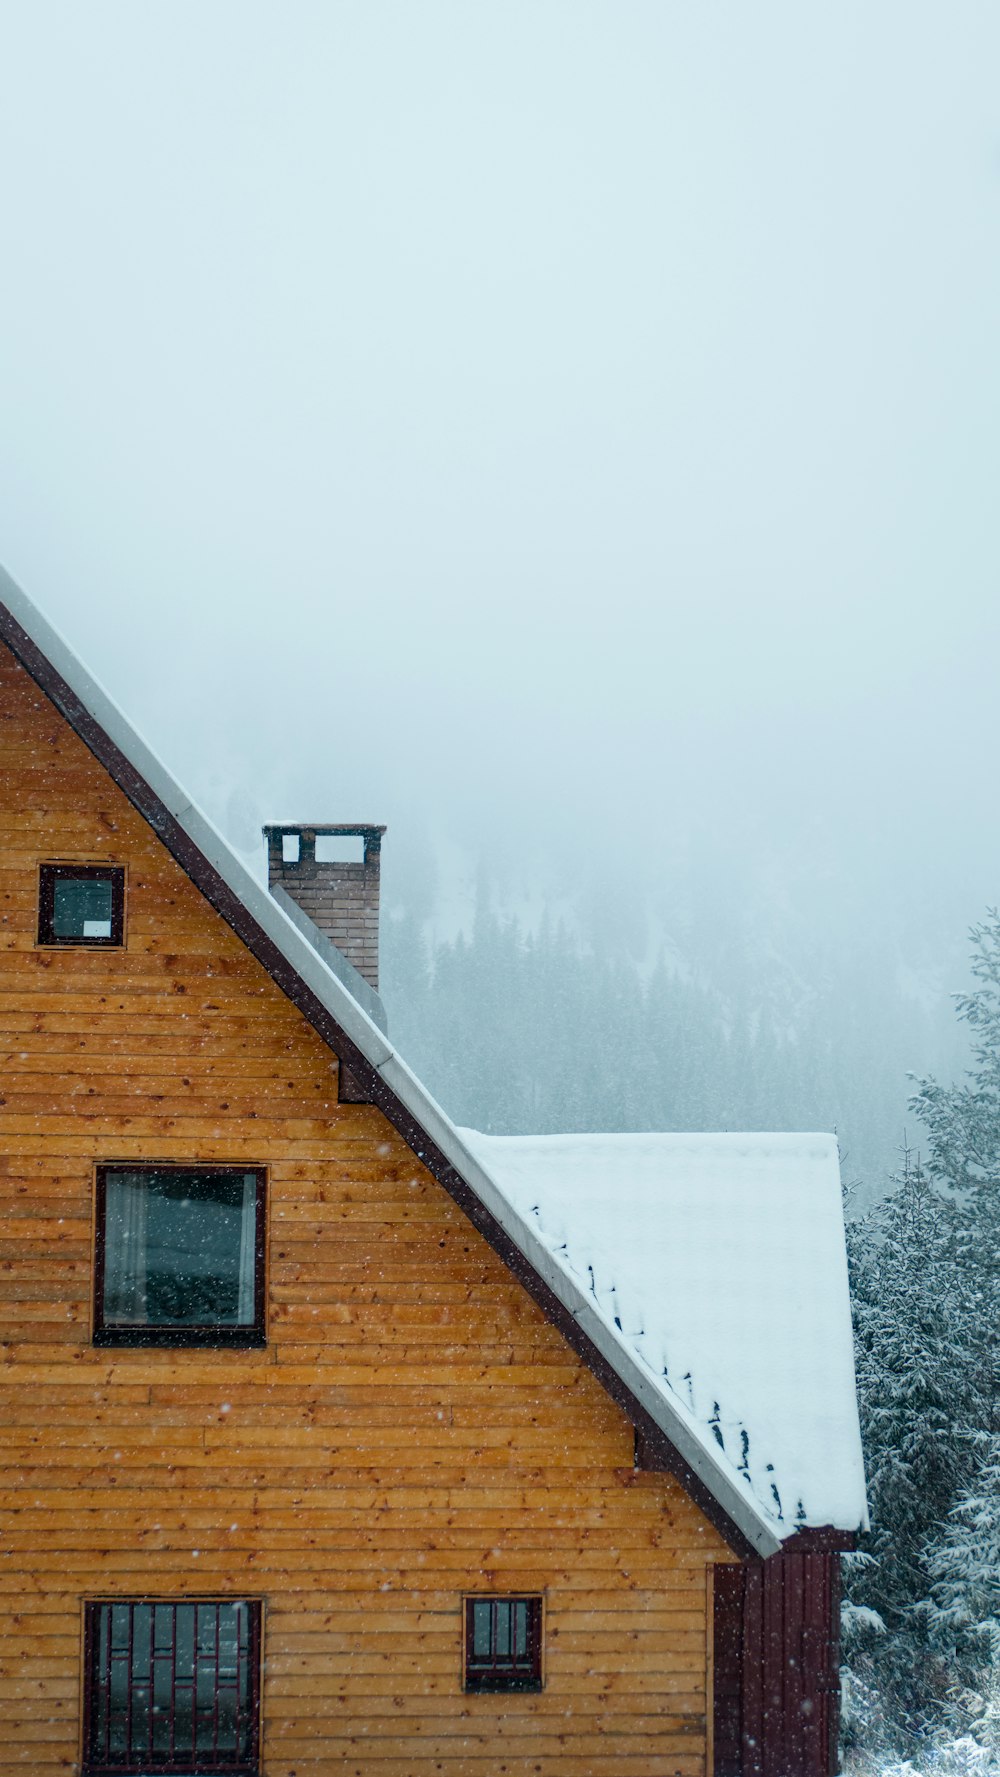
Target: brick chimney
(332, 873)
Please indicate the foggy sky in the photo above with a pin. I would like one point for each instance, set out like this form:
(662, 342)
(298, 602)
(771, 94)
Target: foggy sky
(564, 431)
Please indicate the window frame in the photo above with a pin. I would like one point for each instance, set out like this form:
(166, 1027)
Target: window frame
(247, 1336)
(92, 1766)
(50, 874)
(498, 1679)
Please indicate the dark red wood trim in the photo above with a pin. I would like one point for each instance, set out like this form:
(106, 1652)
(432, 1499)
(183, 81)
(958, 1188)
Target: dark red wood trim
(728, 1588)
(366, 1077)
(833, 1712)
(777, 1682)
(823, 1540)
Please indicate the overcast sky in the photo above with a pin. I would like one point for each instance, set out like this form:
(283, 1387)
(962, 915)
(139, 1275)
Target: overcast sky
(551, 425)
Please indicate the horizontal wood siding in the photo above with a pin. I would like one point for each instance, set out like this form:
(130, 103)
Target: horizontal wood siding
(415, 1428)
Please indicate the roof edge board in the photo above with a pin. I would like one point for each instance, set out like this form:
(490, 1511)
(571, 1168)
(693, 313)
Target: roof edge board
(98, 702)
(395, 1088)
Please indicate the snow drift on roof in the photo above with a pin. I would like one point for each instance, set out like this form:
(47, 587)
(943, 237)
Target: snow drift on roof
(719, 1261)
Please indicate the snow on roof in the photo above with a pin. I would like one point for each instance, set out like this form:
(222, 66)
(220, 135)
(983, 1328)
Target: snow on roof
(719, 1260)
(649, 1214)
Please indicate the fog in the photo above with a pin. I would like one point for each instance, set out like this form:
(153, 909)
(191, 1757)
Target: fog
(566, 432)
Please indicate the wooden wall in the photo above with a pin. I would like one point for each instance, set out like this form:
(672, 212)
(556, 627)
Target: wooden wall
(777, 1658)
(414, 1429)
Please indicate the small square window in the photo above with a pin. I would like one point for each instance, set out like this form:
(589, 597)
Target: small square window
(503, 1644)
(180, 1256)
(81, 904)
(172, 1687)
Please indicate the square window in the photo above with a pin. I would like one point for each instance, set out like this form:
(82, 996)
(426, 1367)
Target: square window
(503, 1644)
(180, 1256)
(81, 904)
(172, 1687)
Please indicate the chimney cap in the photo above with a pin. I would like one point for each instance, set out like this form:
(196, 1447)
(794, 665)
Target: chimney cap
(323, 827)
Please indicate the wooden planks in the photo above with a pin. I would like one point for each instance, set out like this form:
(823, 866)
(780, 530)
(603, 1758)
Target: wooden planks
(413, 1430)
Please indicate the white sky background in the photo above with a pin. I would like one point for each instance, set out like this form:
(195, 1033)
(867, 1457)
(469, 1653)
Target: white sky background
(556, 427)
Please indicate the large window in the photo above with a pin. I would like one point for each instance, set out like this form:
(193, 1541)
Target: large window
(172, 1687)
(180, 1256)
(503, 1644)
(81, 904)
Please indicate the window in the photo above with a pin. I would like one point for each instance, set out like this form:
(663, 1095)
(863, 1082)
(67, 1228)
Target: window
(180, 1256)
(81, 904)
(172, 1687)
(503, 1644)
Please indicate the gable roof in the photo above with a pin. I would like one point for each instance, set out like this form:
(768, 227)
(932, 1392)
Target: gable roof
(722, 1267)
(675, 1432)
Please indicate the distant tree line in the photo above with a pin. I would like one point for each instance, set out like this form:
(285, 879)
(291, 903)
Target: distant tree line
(521, 1032)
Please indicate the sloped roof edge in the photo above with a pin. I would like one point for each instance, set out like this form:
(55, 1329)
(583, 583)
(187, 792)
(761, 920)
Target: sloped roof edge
(675, 1438)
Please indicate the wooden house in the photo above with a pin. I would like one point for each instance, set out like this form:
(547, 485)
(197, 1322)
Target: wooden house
(338, 1442)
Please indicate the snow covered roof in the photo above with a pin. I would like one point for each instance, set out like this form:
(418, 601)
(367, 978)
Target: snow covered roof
(718, 1260)
(802, 1419)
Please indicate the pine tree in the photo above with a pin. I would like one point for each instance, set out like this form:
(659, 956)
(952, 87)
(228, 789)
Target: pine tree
(963, 1612)
(921, 1406)
(963, 1122)
(926, 1281)
(964, 1609)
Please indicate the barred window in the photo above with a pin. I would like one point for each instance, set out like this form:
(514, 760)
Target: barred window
(503, 1644)
(172, 1687)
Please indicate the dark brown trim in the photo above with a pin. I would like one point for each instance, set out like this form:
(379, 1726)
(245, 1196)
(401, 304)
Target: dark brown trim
(249, 1336)
(821, 1541)
(348, 1091)
(367, 1078)
(50, 874)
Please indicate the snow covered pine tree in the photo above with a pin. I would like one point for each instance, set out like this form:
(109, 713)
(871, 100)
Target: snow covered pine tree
(926, 1282)
(964, 1126)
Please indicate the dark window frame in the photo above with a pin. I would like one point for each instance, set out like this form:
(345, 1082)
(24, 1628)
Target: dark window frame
(488, 1676)
(251, 1335)
(96, 1765)
(50, 874)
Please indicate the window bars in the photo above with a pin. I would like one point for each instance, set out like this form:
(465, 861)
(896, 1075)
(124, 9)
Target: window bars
(172, 1687)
